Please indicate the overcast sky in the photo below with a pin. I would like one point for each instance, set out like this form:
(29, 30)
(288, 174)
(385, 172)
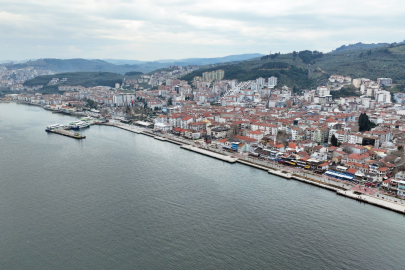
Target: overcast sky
(175, 29)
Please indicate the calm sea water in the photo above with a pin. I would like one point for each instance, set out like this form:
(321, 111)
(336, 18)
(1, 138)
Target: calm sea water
(119, 200)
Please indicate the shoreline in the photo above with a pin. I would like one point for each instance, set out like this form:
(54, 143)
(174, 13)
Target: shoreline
(338, 190)
(186, 145)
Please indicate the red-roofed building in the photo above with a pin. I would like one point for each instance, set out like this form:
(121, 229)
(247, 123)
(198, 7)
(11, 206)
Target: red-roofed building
(323, 167)
(359, 158)
(352, 171)
(245, 139)
(257, 135)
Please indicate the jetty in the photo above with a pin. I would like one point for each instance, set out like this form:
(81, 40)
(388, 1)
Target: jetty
(67, 133)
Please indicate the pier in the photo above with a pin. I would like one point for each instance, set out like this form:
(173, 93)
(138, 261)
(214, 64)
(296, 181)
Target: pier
(68, 134)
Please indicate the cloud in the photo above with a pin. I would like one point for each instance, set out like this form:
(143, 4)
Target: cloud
(157, 29)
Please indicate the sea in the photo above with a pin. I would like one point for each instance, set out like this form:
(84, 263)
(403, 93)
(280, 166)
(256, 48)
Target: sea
(121, 200)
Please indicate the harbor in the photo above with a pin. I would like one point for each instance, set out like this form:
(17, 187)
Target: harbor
(64, 130)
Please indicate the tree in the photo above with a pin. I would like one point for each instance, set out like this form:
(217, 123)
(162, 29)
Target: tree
(234, 130)
(283, 137)
(105, 112)
(127, 109)
(364, 123)
(91, 103)
(394, 99)
(334, 140)
(170, 102)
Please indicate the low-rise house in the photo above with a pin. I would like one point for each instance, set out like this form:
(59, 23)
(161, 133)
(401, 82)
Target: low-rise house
(164, 127)
(257, 135)
(401, 189)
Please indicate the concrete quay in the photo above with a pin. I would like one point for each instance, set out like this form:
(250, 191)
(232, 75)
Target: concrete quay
(148, 134)
(316, 183)
(281, 174)
(249, 163)
(397, 207)
(209, 153)
(174, 141)
(122, 127)
(68, 134)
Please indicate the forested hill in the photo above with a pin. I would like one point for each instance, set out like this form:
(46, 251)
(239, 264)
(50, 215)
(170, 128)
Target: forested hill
(312, 68)
(359, 46)
(287, 74)
(86, 79)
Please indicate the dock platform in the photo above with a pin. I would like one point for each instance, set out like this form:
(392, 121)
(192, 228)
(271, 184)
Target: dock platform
(66, 133)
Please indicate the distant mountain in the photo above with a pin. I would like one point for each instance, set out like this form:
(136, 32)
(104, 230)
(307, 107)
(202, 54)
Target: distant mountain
(216, 60)
(359, 46)
(121, 66)
(123, 61)
(187, 61)
(77, 65)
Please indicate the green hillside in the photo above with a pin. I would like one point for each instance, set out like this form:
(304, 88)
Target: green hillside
(308, 69)
(287, 74)
(359, 46)
(86, 79)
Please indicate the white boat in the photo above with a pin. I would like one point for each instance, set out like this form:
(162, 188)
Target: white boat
(79, 125)
(53, 127)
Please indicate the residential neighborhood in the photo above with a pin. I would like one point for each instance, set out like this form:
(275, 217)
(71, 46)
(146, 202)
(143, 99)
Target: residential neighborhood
(308, 130)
